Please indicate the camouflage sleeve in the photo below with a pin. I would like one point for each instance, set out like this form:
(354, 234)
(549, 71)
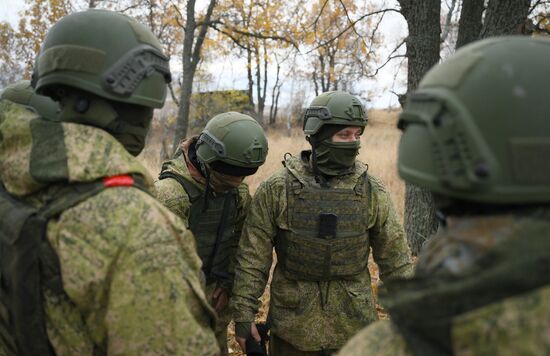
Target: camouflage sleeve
(387, 238)
(172, 195)
(242, 211)
(254, 255)
(131, 269)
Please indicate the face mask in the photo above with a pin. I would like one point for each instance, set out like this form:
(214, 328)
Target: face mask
(336, 158)
(221, 183)
(131, 126)
(131, 142)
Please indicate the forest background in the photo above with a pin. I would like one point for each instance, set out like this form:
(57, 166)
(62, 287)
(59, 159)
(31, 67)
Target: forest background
(269, 58)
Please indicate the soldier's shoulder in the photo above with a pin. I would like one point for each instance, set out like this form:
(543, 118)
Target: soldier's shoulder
(379, 338)
(276, 181)
(176, 166)
(167, 189)
(244, 189)
(126, 209)
(11, 109)
(377, 184)
(122, 219)
(519, 323)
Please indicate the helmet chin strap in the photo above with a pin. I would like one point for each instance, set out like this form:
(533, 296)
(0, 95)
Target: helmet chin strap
(206, 173)
(319, 179)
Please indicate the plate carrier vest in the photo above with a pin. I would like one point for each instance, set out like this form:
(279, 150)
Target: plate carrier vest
(307, 251)
(212, 221)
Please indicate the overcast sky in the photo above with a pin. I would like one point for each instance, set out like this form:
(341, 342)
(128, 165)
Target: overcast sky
(9, 10)
(230, 74)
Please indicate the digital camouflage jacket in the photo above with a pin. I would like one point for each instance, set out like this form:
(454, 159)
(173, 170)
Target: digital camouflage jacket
(482, 287)
(314, 315)
(173, 195)
(129, 268)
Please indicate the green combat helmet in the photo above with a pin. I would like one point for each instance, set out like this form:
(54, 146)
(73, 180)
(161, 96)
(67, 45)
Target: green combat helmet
(106, 70)
(478, 127)
(23, 93)
(327, 114)
(233, 139)
(105, 53)
(334, 108)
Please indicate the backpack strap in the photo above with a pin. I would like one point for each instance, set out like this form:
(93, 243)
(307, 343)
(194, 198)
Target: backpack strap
(70, 195)
(22, 230)
(192, 191)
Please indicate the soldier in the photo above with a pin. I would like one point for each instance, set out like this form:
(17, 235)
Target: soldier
(204, 186)
(476, 133)
(322, 213)
(90, 262)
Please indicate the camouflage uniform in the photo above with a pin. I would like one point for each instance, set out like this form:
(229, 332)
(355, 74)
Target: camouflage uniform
(482, 284)
(504, 325)
(173, 195)
(129, 267)
(313, 315)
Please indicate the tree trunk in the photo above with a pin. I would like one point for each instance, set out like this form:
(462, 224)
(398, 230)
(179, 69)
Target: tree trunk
(315, 84)
(331, 77)
(250, 78)
(423, 41)
(191, 56)
(422, 53)
(448, 21)
(275, 98)
(469, 25)
(264, 87)
(324, 84)
(182, 122)
(259, 101)
(505, 17)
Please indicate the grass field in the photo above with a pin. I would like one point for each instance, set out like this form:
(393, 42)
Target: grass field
(378, 150)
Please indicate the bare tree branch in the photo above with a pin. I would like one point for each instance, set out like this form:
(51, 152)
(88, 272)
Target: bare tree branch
(448, 19)
(351, 21)
(373, 34)
(173, 95)
(235, 40)
(203, 29)
(257, 35)
(180, 24)
(389, 59)
(350, 26)
(537, 3)
(128, 8)
(314, 24)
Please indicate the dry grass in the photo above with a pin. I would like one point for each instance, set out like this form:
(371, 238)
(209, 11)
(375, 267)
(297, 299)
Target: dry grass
(379, 151)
